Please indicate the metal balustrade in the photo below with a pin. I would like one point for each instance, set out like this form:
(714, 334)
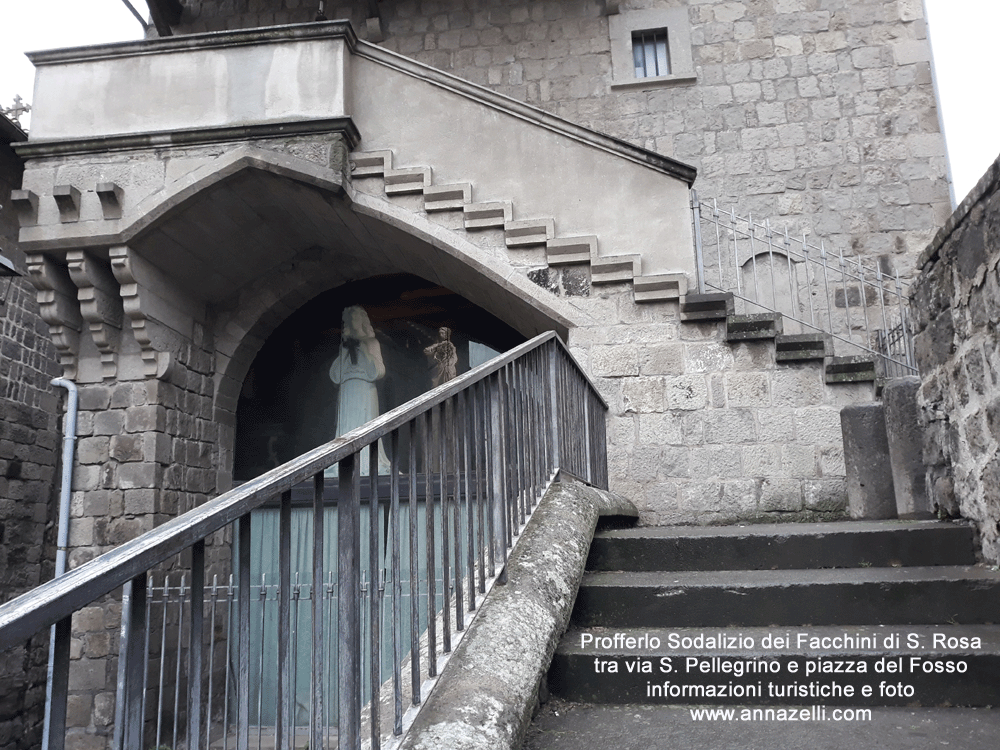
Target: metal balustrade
(362, 632)
(861, 306)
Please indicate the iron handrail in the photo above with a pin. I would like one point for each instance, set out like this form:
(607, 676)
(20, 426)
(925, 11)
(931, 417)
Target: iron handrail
(49, 603)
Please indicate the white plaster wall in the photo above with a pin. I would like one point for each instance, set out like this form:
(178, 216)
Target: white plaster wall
(546, 174)
(191, 88)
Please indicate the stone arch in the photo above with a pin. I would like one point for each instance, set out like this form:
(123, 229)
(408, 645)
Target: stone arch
(341, 235)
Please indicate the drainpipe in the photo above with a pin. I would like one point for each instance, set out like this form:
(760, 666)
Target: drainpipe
(69, 442)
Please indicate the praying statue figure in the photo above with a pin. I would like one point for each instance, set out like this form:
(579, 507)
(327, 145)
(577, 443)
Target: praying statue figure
(356, 369)
(445, 357)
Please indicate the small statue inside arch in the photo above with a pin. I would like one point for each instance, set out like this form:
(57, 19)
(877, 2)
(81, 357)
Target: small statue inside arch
(356, 369)
(445, 357)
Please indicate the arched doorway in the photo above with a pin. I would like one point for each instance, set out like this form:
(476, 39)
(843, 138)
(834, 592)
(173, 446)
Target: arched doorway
(289, 404)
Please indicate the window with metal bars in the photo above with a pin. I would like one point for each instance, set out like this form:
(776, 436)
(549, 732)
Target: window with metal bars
(651, 53)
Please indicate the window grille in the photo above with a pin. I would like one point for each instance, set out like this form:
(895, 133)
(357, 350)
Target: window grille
(651, 53)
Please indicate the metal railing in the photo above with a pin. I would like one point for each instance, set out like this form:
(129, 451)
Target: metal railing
(469, 461)
(861, 306)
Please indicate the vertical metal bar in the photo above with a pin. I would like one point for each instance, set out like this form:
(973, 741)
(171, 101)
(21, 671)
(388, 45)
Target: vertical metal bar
(349, 604)
(180, 648)
(428, 435)
(444, 488)
(864, 299)
(498, 509)
(59, 642)
(163, 661)
(770, 262)
(478, 462)
(753, 257)
(554, 406)
(414, 568)
(375, 598)
(260, 668)
(131, 669)
(793, 295)
(466, 399)
(283, 710)
(230, 596)
(826, 283)
(212, 605)
(847, 299)
(317, 715)
(294, 659)
(397, 586)
(243, 610)
(698, 251)
(737, 266)
(718, 244)
(808, 262)
(195, 647)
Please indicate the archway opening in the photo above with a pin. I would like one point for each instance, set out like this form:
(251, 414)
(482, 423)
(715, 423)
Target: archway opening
(295, 397)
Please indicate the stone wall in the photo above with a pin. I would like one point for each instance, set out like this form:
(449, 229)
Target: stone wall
(957, 299)
(29, 453)
(817, 113)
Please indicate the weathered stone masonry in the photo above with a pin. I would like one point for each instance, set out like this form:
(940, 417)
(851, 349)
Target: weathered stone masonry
(957, 298)
(818, 113)
(29, 451)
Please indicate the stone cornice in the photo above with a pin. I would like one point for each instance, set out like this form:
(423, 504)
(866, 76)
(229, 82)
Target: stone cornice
(208, 40)
(192, 137)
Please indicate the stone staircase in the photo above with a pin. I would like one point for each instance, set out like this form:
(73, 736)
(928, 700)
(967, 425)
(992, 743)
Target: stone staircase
(560, 251)
(838, 614)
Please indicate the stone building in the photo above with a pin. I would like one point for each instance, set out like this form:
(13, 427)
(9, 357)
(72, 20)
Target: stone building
(29, 444)
(191, 200)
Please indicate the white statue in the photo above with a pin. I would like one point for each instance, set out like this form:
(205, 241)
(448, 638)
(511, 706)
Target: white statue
(356, 369)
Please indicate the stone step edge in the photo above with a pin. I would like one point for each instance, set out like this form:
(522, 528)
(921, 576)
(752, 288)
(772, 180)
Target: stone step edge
(607, 269)
(518, 233)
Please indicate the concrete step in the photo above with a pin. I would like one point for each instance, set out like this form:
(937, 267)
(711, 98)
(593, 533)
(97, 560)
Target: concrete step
(936, 665)
(561, 725)
(706, 307)
(753, 327)
(786, 546)
(801, 347)
(854, 369)
(744, 598)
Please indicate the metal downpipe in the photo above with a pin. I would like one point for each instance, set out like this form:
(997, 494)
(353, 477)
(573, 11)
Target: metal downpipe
(62, 540)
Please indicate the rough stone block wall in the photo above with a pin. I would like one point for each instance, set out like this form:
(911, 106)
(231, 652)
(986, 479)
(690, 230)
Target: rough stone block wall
(29, 453)
(704, 431)
(147, 452)
(816, 113)
(957, 299)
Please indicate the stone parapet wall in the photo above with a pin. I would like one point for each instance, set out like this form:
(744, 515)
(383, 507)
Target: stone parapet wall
(816, 113)
(957, 301)
(29, 454)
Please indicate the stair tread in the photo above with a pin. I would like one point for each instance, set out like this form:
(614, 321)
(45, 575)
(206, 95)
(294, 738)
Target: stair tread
(733, 579)
(779, 529)
(570, 644)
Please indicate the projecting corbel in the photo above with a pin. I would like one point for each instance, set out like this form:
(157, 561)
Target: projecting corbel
(374, 25)
(100, 306)
(68, 200)
(25, 203)
(110, 196)
(611, 7)
(165, 14)
(162, 317)
(58, 306)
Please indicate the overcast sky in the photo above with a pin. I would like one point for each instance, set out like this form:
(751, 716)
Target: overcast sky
(966, 62)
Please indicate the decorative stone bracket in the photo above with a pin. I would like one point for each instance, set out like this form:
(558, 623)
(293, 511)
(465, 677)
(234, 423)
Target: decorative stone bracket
(102, 294)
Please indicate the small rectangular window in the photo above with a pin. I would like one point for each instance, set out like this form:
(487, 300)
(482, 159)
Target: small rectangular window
(651, 53)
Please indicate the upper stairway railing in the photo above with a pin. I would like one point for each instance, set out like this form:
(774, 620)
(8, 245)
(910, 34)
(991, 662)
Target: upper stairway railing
(861, 306)
(469, 461)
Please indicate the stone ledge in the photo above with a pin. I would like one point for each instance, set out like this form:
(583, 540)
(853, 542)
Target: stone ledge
(488, 691)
